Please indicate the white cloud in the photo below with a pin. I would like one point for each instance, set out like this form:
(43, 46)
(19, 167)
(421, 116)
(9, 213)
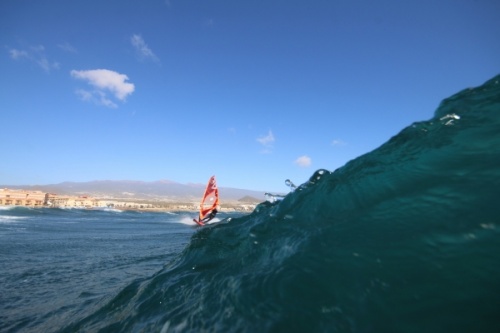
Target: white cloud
(338, 142)
(103, 80)
(303, 161)
(104, 100)
(266, 140)
(84, 94)
(46, 65)
(17, 54)
(142, 48)
(97, 97)
(36, 55)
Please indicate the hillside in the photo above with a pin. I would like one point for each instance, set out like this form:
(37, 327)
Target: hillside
(157, 190)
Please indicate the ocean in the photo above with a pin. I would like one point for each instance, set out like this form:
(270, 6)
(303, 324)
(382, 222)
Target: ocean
(405, 238)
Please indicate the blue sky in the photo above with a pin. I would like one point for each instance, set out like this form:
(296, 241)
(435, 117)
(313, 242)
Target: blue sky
(254, 92)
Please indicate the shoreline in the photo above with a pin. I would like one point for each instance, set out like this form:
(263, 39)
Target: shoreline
(39, 199)
(135, 209)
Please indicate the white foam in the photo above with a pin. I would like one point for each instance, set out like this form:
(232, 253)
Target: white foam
(214, 220)
(107, 209)
(187, 220)
(11, 219)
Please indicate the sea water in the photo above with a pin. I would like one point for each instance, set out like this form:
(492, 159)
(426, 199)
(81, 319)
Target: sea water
(59, 264)
(403, 239)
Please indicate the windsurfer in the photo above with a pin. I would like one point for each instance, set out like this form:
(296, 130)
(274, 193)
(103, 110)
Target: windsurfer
(210, 216)
(209, 203)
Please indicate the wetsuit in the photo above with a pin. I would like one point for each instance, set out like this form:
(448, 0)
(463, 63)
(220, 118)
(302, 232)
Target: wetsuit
(210, 216)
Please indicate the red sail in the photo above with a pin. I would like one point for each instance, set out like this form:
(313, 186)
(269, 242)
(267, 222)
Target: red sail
(210, 199)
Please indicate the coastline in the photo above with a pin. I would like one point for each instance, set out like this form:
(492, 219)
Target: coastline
(39, 199)
(166, 209)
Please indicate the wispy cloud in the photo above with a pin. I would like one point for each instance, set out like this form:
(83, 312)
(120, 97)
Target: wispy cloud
(18, 54)
(303, 161)
(338, 142)
(36, 55)
(67, 47)
(97, 97)
(46, 65)
(266, 141)
(103, 80)
(142, 48)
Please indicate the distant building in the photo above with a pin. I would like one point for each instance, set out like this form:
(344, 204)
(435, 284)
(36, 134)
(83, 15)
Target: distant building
(62, 201)
(25, 198)
(10, 197)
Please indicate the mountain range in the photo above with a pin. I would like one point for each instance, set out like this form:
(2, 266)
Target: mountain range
(164, 190)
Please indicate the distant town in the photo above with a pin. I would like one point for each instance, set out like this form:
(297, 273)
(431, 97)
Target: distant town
(40, 199)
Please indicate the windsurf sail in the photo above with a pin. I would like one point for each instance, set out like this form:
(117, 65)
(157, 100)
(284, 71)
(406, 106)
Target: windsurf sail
(209, 201)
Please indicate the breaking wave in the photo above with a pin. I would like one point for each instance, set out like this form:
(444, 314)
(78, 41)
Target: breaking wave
(402, 239)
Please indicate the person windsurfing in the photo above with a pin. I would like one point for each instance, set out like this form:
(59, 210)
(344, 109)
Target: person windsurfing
(209, 203)
(210, 216)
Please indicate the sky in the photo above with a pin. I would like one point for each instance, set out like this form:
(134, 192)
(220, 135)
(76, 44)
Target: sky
(254, 92)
